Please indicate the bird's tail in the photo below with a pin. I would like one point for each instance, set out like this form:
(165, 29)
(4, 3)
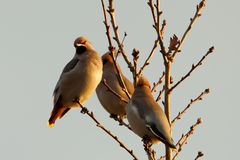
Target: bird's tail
(172, 146)
(56, 113)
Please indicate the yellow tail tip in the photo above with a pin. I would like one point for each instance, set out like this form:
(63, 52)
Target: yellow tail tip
(50, 124)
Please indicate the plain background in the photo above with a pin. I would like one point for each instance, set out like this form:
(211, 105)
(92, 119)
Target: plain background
(36, 39)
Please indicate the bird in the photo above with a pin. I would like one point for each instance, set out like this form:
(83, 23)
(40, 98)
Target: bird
(110, 102)
(78, 80)
(146, 117)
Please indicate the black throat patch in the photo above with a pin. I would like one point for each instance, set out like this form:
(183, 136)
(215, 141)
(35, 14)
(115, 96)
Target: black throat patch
(81, 49)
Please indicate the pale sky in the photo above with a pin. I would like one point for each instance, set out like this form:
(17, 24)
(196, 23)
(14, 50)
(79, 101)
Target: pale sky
(37, 41)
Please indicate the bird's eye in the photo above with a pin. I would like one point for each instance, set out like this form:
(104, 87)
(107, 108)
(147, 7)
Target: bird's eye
(81, 49)
(105, 61)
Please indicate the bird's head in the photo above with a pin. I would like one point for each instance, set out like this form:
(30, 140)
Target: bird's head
(142, 81)
(107, 58)
(82, 44)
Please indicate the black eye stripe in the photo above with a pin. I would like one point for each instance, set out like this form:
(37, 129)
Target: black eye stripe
(81, 49)
(105, 61)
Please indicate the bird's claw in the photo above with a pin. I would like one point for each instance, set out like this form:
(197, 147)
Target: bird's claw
(84, 110)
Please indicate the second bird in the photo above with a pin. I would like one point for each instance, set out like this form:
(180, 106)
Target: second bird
(112, 103)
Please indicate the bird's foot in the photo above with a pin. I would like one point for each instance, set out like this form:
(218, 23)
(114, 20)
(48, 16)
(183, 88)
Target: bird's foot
(120, 120)
(147, 141)
(76, 100)
(84, 110)
(114, 116)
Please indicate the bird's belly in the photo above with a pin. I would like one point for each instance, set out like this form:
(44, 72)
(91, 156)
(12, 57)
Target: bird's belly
(110, 102)
(138, 125)
(80, 86)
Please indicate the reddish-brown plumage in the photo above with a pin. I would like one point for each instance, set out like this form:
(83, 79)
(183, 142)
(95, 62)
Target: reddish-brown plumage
(57, 112)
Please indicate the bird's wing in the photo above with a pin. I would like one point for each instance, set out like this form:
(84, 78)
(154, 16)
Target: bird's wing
(153, 128)
(149, 116)
(66, 69)
(70, 65)
(159, 125)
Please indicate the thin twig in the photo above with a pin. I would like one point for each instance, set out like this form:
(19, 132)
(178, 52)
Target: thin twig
(148, 149)
(199, 9)
(164, 24)
(120, 78)
(160, 94)
(135, 55)
(157, 6)
(112, 50)
(112, 91)
(111, 12)
(198, 98)
(148, 59)
(167, 103)
(122, 44)
(167, 65)
(150, 153)
(183, 140)
(150, 4)
(210, 50)
(200, 154)
(121, 122)
(155, 84)
(99, 125)
(107, 27)
(156, 26)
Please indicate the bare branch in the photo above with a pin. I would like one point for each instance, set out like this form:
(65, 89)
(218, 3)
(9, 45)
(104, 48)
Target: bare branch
(167, 102)
(183, 140)
(148, 59)
(160, 94)
(157, 6)
(150, 153)
(150, 4)
(200, 154)
(164, 24)
(120, 79)
(135, 55)
(198, 98)
(192, 69)
(156, 26)
(99, 125)
(120, 46)
(199, 9)
(112, 91)
(155, 84)
(148, 148)
(122, 43)
(121, 122)
(111, 48)
(116, 37)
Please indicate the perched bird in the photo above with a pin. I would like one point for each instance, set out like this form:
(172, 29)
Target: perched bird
(146, 117)
(78, 80)
(113, 104)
